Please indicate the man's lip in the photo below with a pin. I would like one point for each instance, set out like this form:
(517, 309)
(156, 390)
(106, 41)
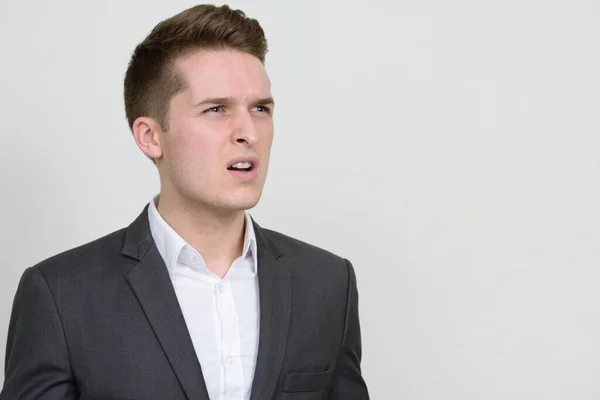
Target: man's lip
(252, 160)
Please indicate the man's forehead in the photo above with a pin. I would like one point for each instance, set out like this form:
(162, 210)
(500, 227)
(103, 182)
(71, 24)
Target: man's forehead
(221, 64)
(225, 75)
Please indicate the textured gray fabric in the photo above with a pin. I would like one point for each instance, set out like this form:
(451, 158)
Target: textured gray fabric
(102, 321)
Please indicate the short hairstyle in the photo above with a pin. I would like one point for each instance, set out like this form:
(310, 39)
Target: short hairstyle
(151, 80)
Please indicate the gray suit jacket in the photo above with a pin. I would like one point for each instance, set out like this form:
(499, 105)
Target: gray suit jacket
(102, 321)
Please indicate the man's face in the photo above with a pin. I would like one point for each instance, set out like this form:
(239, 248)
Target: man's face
(224, 116)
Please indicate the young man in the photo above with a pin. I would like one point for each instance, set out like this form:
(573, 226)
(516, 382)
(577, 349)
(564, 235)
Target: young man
(193, 300)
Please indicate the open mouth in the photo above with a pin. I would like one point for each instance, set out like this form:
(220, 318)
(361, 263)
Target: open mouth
(241, 166)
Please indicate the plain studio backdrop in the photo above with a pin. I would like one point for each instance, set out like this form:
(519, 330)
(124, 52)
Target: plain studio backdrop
(449, 149)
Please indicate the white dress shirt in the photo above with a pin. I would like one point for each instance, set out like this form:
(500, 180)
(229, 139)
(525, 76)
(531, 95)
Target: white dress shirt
(222, 315)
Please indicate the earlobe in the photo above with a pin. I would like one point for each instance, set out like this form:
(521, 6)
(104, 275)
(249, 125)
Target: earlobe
(147, 136)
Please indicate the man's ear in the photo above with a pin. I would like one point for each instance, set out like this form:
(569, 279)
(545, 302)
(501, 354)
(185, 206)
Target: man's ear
(147, 133)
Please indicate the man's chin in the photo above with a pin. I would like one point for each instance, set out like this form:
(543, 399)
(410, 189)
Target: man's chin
(225, 203)
(238, 204)
(245, 200)
(245, 205)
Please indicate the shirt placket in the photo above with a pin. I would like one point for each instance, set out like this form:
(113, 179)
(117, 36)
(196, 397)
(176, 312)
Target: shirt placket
(231, 368)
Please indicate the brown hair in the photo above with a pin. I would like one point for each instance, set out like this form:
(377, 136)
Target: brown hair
(151, 81)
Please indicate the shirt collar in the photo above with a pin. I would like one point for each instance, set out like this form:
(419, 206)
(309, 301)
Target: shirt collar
(250, 243)
(170, 244)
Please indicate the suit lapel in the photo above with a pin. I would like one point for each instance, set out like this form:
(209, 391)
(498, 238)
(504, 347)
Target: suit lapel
(151, 284)
(275, 296)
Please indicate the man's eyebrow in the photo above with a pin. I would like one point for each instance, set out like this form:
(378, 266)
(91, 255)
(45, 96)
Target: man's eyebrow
(265, 101)
(229, 100)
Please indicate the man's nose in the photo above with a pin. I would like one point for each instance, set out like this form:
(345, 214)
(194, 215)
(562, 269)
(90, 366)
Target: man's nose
(245, 128)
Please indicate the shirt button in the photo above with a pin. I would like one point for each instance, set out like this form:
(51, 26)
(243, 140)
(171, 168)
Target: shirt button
(222, 288)
(229, 360)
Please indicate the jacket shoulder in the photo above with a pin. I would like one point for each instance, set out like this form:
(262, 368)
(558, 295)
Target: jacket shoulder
(286, 242)
(306, 253)
(84, 258)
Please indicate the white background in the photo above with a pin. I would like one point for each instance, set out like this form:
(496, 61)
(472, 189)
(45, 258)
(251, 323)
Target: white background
(449, 149)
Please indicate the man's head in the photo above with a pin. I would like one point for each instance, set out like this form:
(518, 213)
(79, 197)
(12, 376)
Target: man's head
(198, 99)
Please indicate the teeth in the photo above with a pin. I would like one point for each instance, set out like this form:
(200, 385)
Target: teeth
(242, 165)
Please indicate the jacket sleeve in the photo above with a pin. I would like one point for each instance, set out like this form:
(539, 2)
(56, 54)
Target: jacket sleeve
(348, 383)
(37, 362)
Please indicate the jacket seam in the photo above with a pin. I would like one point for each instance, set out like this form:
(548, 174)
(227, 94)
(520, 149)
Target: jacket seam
(62, 325)
(347, 309)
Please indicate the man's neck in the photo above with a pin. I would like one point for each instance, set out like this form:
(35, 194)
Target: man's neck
(217, 236)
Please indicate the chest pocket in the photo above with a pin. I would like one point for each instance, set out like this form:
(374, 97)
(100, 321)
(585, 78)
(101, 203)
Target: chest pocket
(298, 382)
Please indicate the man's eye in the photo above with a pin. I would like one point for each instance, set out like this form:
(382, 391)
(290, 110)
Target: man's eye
(262, 109)
(215, 109)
